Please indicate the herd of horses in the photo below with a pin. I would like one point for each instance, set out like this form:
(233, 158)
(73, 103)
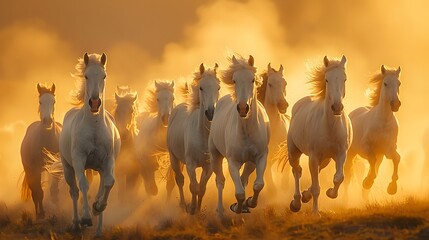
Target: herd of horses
(248, 127)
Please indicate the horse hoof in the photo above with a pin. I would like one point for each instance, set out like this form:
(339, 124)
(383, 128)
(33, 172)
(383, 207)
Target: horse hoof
(294, 208)
(367, 183)
(248, 203)
(86, 222)
(95, 210)
(306, 196)
(332, 193)
(316, 214)
(392, 188)
(192, 210)
(234, 208)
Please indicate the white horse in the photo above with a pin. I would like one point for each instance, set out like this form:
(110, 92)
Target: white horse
(127, 166)
(151, 140)
(320, 129)
(89, 140)
(272, 94)
(40, 135)
(375, 128)
(188, 132)
(239, 132)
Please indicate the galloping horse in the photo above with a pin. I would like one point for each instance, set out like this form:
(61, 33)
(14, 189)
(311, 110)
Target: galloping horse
(272, 94)
(375, 128)
(40, 135)
(320, 129)
(152, 137)
(89, 140)
(188, 132)
(240, 132)
(127, 166)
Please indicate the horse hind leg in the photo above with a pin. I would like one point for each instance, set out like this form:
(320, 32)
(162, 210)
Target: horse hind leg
(35, 184)
(392, 188)
(315, 187)
(348, 172)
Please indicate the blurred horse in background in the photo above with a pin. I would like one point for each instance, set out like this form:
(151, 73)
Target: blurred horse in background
(272, 94)
(127, 166)
(320, 129)
(89, 140)
(375, 129)
(240, 133)
(40, 135)
(151, 141)
(188, 132)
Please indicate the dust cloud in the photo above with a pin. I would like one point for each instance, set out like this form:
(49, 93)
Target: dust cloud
(147, 41)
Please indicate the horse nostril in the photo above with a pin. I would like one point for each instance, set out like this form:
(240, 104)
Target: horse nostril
(332, 107)
(247, 108)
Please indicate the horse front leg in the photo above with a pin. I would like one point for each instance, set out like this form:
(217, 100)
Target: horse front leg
(70, 178)
(392, 188)
(79, 169)
(339, 175)
(193, 185)
(106, 184)
(261, 165)
(372, 173)
(315, 186)
(216, 164)
(205, 176)
(234, 171)
(180, 179)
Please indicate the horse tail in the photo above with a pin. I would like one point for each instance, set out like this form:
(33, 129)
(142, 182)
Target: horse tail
(25, 189)
(281, 155)
(53, 164)
(184, 91)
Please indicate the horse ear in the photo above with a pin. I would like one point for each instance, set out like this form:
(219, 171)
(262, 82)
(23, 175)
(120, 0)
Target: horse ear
(398, 71)
(172, 84)
(343, 60)
(117, 98)
(103, 59)
(383, 69)
(202, 69)
(216, 67)
(270, 69)
(326, 61)
(52, 88)
(39, 88)
(251, 61)
(86, 58)
(281, 69)
(234, 60)
(134, 97)
(118, 89)
(156, 84)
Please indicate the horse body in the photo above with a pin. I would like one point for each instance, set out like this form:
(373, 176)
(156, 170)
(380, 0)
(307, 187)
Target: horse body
(375, 129)
(40, 135)
(321, 130)
(127, 166)
(239, 132)
(151, 139)
(272, 94)
(188, 132)
(89, 140)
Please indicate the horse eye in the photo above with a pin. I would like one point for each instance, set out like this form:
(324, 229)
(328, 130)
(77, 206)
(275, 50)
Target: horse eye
(201, 88)
(269, 84)
(40, 103)
(218, 88)
(253, 80)
(326, 80)
(385, 84)
(399, 84)
(157, 99)
(86, 77)
(104, 76)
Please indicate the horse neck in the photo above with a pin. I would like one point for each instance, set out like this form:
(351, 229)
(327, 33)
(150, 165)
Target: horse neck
(272, 110)
(383, 109)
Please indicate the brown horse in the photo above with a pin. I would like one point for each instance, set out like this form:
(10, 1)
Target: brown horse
(40, 135)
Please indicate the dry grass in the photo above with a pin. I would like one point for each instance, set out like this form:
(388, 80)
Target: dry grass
(404, 220)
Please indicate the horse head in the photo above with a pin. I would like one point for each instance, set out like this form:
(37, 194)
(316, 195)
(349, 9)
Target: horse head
(46, 105)
(95, 76)
(390, 87)
(335, 78)
(208, 90)
(276, 89)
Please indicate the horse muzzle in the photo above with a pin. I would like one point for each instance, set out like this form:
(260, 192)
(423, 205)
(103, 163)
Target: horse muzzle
(164, 119)
(95, 104)
(394, 105)
(282, 107)
(47, 122)
(209, 113)
(243, 109)
(337, 108)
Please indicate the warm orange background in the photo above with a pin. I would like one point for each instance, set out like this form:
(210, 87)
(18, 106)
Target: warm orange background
(40, 41)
